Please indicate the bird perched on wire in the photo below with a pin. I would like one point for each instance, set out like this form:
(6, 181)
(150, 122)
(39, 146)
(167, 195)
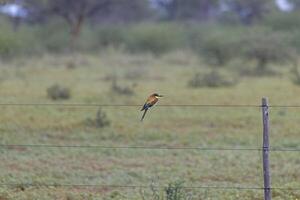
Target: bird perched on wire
(152, 99)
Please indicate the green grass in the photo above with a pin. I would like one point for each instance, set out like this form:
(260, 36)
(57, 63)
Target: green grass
(26, 81)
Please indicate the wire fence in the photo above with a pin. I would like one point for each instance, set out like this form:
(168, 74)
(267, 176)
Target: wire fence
(208, 187)
(137, 105)
(143, 186)
(274, 149)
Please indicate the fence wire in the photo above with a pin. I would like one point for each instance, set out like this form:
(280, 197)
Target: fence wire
(274, 149)
(79, 105)
(143, 186)
(137, 105)
(122, 105)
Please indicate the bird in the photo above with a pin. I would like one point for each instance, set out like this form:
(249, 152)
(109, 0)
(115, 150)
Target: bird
(151, 100)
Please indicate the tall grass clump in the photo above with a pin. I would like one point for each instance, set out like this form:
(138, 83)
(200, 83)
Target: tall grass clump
(174, 191)
(100, 121)
(58, 92)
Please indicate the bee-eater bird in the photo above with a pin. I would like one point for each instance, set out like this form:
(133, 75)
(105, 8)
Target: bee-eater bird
(152, 99)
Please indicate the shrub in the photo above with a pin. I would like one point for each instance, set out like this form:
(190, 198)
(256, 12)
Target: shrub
(295, 42)
(211, 79)
(154, 38)
(110, 36)
(184, 57)
(136, 73)
(57, 92)
(98, 38)
(100, 120)
(217, 50)
(284, 21)
(53, 37)
(122, 90)
(229, 18)
(218, 45)
(266, 47)
(9, 43)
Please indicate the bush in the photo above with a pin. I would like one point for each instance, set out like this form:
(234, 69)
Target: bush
(110, 36)
(57, 92)
(9, 43)
(140, 73)
(283, 21)
(217, 50)
(218, 45)
(211, 79)
(53, 37)
(266, 47)
(100, 120)
(295, 42)
(122, 90)
(31, 39)
(155, 38)
(99, 38)
(287, 23)
(184, 57)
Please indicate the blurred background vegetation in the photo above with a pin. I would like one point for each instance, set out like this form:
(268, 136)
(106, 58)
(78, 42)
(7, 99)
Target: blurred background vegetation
(218, 31)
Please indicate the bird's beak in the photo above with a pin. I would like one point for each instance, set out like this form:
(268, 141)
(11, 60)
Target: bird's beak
(160, 96)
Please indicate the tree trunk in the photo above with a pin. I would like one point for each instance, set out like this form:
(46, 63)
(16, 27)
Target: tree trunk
(16, 23)
(262, 64)
(75, 31)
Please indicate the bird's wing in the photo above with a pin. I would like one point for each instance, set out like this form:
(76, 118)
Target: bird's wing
(145, 106)
(150, 102)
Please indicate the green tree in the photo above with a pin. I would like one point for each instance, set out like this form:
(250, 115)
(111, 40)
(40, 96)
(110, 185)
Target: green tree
(76, 12)
(267, 47)
(190, 9)
(249, 10)
(124, 11)
(295, 3)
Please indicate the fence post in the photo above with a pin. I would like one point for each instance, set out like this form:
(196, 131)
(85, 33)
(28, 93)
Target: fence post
(265, 152)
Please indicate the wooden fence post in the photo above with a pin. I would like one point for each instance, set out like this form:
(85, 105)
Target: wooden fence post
(266, 148)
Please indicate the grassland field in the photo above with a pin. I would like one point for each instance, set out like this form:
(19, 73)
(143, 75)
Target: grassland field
(26, 80)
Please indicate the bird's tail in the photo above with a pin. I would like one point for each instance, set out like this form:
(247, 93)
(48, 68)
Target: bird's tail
(144, 114)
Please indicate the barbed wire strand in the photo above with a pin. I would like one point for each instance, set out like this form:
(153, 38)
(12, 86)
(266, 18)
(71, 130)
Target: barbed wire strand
(278, 149)
(138, 105)
(121, 105)
(141, 186)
